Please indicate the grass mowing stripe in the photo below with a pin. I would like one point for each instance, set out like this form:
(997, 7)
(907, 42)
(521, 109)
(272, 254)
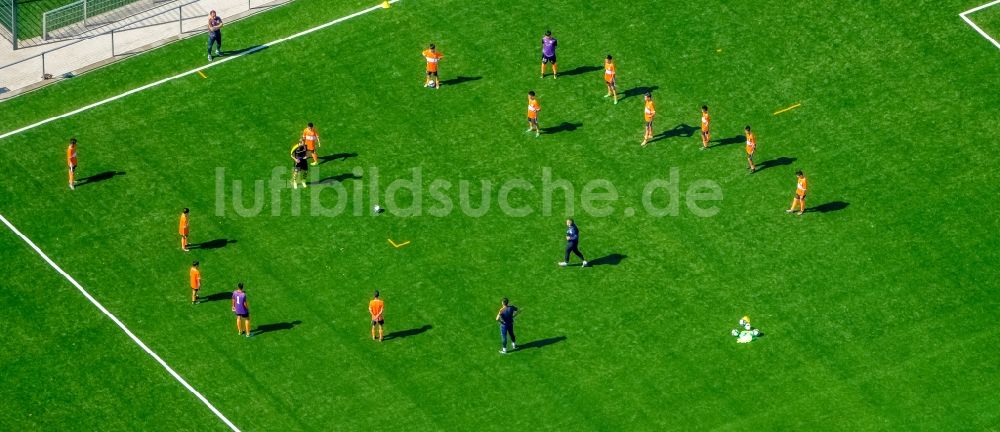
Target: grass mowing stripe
(120, 324)
(197, 70)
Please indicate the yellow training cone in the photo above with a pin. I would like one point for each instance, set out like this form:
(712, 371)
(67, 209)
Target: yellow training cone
(385, 4)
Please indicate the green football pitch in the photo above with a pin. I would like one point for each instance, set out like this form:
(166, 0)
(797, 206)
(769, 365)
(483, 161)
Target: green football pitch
(876, 304)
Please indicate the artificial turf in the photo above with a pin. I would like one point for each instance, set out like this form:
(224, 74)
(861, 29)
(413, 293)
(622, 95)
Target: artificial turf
(876, 305)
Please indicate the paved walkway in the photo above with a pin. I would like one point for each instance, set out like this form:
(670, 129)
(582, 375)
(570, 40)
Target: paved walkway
(25, 69)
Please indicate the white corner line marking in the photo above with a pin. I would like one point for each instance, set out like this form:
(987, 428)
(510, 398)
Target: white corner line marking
(975, 27)
(195, 70)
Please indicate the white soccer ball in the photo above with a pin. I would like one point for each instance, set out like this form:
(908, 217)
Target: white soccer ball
(735, 332)
(747, 326)
(377, 209)
(756, 332)
(430, 84)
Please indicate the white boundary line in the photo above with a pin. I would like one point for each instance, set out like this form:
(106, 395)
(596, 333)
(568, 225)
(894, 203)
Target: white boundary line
(975, 27)
(195, 70)
(121, 325)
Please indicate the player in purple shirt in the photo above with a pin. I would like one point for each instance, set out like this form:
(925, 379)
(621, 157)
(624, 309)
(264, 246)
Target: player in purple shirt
(549, 52)
(242, 310)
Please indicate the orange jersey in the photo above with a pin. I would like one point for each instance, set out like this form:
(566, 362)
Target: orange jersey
(705, 120)
(184, 226)
(533, 108)
(375, 308)
(311, 137)
(800, 188)
(751, 143)
(609, 71)
(649, 111)
(432, 58)
(71, 156)
(195, 278)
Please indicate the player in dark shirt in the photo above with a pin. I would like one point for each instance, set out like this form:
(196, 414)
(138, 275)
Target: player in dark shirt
(506, 319)
(572, 243)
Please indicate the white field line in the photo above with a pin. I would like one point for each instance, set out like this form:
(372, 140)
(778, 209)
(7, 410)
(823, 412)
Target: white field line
(194, 71)
(965, 16)
(121, 325)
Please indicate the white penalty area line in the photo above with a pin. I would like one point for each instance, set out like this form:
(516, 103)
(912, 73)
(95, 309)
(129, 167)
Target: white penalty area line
(118, 322)
(198, 69)
(965, 16)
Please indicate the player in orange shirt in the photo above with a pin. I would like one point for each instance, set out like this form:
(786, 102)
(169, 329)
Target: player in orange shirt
(751, 148)
(610, 72)
(649, 112)
(533, 109)
(433, 57)
(311, 137)
(375, 308)
(706, 133)
(71, 161)
(195, 275)
(184, 229)
(800, 194)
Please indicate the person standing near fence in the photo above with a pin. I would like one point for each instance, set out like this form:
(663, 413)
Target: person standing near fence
(214, 34)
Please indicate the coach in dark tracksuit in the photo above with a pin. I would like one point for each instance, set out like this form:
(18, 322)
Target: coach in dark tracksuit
(214, 34)
(506, 319)
(572, 241)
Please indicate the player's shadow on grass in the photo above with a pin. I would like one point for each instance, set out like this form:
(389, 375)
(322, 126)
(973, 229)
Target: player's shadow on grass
(683, 130)
(613, 259)
(541, 343)
(406, 333)
(579, 70)
(637, 91)
(339, 178)
(726, 141)
(828, 207)
(267, 328)
(248, 50)
(335, 156)
(107, 175)
(460, 79)
(211, 244)
(225, 295)
(564, 127)
(775, 162)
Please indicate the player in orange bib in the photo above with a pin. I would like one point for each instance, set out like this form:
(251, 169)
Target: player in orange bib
(533, 109)
(800, 194)
(751, 148)
(610, 72)
(375, 307)
(649, 112)
(706, 133)
(195, 275)
(311, 138)
(184, 230)
(433, 57)
(71, 161)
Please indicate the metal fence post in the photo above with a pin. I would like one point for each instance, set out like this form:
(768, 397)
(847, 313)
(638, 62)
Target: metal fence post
(112, 43)
(84, 13)
(180, 18)
(13, 22)
(43, 65)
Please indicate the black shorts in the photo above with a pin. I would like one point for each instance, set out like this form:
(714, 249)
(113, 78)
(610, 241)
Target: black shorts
(432, 73)
(548, 59)
(246, 315)
(533, 120)
(379, 322)
(649, 124)
(73, 168)
(302, 165)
